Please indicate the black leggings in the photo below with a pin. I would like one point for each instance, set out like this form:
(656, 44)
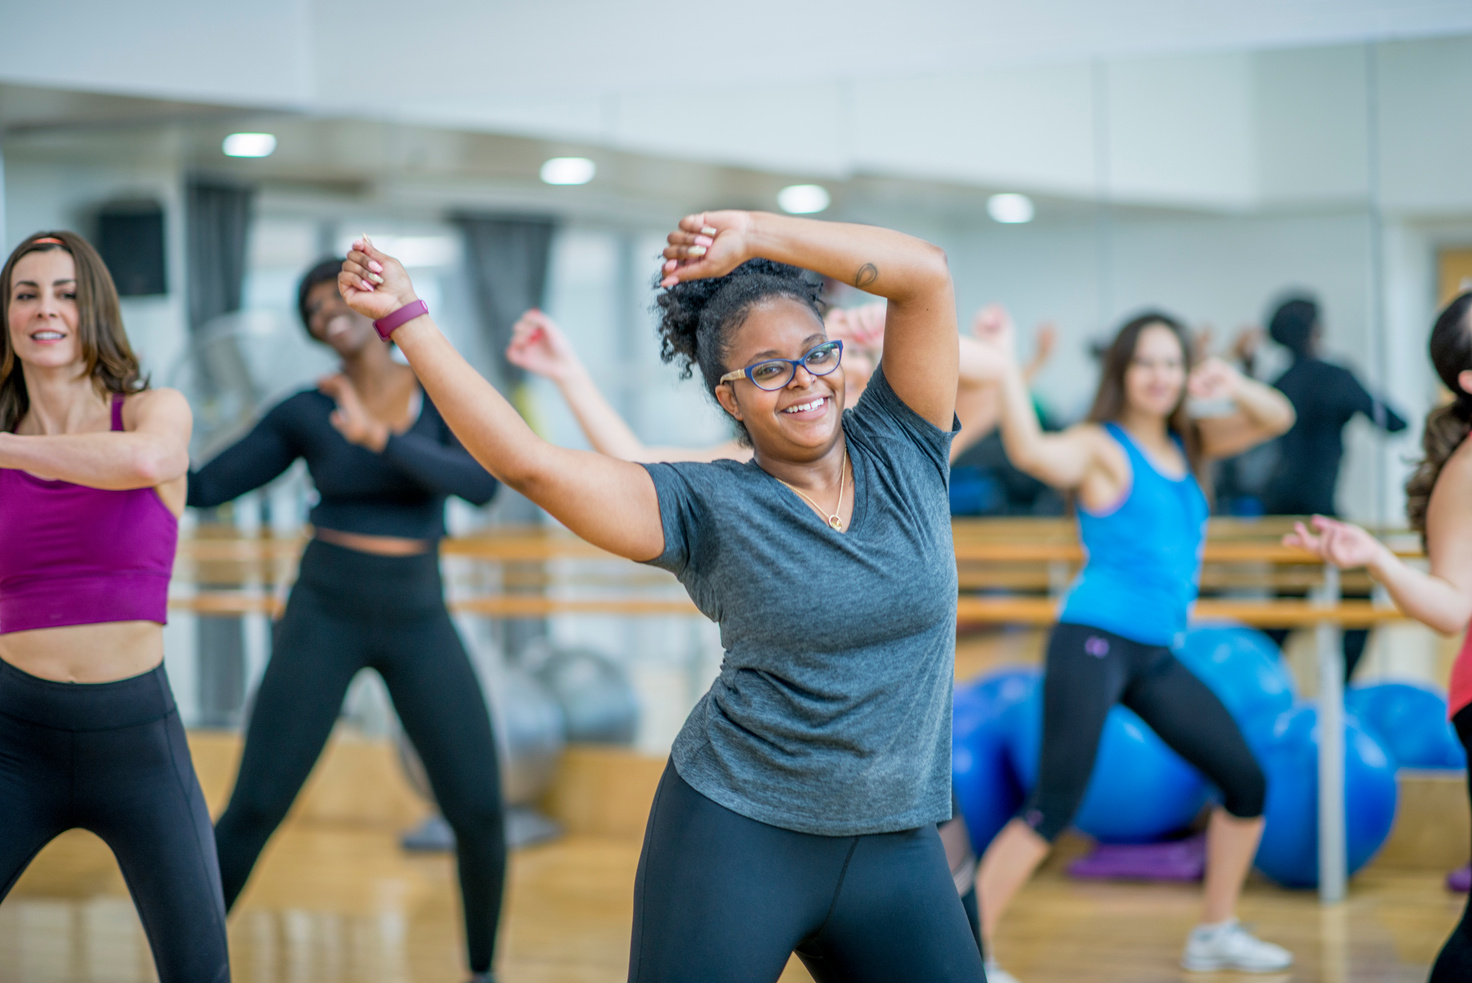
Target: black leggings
(111, 758)
(719, 897)
(1088, 671)
(351, 611)
(1454, 964)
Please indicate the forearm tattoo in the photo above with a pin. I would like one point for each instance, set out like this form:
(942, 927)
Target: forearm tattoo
(867, 274)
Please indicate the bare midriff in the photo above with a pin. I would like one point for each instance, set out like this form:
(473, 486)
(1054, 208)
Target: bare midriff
(101, 653)
(379, 545)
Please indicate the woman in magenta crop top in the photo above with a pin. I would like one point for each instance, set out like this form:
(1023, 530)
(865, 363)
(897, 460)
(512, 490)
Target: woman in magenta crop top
(1439, 507)
(92, 475)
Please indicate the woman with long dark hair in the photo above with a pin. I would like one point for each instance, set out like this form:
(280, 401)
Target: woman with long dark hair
(367, 596)
(1439, 507)
(798, 811)
(1133, 470)
(92, 470)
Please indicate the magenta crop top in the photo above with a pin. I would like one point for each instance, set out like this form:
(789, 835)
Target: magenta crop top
(73, 555)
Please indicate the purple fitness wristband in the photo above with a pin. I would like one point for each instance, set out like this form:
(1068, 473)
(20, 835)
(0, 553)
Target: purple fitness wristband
(385, 325)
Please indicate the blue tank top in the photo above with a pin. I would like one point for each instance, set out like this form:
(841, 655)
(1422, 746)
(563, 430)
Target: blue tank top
(1143, 558)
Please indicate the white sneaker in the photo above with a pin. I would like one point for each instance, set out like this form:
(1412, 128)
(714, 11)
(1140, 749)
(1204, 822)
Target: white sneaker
(996, 974)
(1230, 946)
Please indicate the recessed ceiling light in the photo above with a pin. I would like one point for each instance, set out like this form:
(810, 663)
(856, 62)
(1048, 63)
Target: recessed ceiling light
(1010, 209)
(568, 170)
(803, 199)
(249, 145)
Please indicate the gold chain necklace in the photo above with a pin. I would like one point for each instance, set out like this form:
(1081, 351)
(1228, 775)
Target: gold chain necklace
(833, 520)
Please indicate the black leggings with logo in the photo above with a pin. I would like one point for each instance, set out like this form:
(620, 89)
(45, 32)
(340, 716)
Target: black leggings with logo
(721, 898)
(1088, 671)
(111, 758)
(351, 611)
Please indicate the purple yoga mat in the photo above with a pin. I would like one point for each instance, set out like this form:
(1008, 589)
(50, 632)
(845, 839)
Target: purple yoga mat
(1175, 860)
(1460, 879)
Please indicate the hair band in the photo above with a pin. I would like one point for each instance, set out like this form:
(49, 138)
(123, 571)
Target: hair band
(49, 240)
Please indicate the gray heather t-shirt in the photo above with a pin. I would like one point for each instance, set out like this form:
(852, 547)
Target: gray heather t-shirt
(832, 712)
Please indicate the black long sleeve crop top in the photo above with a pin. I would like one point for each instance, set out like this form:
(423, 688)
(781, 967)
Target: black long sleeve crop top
(398, 492)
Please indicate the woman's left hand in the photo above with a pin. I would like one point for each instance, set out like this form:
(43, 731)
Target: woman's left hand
(709, 244)
(374, 283)
(1212, 380)
(351, 418)
(1341, 543)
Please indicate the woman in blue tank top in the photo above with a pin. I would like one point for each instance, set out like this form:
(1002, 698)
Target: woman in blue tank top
(1132, 469)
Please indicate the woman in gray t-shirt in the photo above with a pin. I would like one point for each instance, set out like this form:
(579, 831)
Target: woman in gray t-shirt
(799, 808)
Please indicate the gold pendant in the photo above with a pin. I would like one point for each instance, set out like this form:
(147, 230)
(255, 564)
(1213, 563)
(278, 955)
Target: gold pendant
(835, 522)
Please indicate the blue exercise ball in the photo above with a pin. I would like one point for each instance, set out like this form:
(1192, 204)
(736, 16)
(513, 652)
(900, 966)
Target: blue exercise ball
(1140, 790)
(1410, 721)
(1289, 851)
(986, 787)
(1242, 667)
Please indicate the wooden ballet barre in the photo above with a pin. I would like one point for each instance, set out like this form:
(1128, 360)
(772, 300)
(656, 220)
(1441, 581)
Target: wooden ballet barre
(970, 611)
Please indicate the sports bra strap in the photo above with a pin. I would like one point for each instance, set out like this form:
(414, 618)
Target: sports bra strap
(117, 411)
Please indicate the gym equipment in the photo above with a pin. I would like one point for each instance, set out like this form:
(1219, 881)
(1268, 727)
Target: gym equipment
(1289, 852)
(986, 787)
(1173, 860)
(599, 705)
(1140, 790)
(1242, 667)
(1410, 721)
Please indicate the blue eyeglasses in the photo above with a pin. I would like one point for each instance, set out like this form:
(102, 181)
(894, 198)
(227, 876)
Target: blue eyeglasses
(775, 373)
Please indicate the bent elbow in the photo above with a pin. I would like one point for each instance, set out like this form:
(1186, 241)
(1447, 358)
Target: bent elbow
(155, 466)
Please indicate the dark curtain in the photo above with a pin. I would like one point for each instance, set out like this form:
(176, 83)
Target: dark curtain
(218, 219)
(507, 259)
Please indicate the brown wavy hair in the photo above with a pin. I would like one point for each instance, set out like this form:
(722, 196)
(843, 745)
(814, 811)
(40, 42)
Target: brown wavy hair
(109, 358)
(1447, 425)
(1109, 401)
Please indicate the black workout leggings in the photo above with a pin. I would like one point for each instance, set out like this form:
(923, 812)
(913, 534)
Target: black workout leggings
(719, 897)
(111, 758)
(1088, 671)
(351, 611)
(1454, 964)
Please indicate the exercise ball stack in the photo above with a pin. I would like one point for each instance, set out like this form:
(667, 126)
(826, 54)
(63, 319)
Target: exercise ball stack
(986, 787)
(1289, 753)
(1410, 721)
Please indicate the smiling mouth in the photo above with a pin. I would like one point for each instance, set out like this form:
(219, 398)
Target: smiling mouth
(47, 335)
(812, 404)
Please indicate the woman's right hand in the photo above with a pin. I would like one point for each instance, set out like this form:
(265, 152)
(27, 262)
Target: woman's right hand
(374, 283)
(709, 244)
(540, 347)
(1340, 543)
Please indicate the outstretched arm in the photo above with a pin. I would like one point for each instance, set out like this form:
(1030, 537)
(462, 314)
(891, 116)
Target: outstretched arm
(1441, 598)
(540, 347)
(154, 452)
(610, 503)
(920, 348)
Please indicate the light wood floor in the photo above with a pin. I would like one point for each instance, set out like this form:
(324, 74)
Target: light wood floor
(338, 903)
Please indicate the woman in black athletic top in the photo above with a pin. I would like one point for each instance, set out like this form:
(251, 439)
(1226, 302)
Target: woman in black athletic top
(799, 809)
(368, 596)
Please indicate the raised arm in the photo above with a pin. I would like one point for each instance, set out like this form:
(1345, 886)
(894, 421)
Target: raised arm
(539, 346)
(1259, 412)
(1065, 460)
(920, 349)
(153, 451)
(610, 503)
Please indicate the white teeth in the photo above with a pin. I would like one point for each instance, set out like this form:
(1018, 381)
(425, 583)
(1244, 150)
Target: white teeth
(48, 336)
(804, 407)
